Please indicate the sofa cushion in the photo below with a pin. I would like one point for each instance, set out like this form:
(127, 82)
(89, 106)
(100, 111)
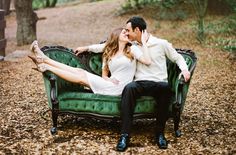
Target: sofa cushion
(100, 104)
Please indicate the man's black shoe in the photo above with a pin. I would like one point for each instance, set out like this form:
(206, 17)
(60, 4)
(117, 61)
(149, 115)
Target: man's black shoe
(161, 141)
(123, 142)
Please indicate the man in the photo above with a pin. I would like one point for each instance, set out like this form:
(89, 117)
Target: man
(149, 81)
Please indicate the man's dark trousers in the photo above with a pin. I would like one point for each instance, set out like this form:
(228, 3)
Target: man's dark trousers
(161, 93)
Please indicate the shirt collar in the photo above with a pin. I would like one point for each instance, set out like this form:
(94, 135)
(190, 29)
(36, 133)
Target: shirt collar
(151, 42)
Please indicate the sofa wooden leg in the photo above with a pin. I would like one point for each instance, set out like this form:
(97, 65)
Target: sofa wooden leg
(53, 130)
(178, 133)
(176, 123)
(54, 121)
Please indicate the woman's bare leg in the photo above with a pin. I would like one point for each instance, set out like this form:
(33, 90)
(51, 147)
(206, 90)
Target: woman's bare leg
(60, 65)
(78, 76)
(43, 58)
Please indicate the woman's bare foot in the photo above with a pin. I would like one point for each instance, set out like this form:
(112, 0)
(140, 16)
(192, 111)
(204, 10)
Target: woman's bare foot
(41, 68)
(36, 50)
(36, 60)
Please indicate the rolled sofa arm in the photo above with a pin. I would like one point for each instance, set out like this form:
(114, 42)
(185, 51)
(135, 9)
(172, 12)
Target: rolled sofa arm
(50, 82)
(53, 90)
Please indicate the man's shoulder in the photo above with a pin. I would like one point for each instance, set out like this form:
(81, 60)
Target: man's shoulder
(155, 40)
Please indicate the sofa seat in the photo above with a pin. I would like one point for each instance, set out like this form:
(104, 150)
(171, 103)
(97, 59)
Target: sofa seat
(100, 104)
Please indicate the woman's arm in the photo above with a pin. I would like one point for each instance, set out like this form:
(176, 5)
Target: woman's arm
(96, 48)
(105, 73)
(145, 58)
(142, 56)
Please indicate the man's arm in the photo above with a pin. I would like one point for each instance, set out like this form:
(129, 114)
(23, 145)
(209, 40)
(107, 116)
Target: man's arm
(174, 56)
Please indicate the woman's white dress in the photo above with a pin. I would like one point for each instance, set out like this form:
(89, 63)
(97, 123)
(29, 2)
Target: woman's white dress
(121, 68)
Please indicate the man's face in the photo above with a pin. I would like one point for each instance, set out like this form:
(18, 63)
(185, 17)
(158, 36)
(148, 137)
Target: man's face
(132, 35)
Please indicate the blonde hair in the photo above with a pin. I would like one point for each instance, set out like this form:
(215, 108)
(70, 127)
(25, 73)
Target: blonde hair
(112, 47)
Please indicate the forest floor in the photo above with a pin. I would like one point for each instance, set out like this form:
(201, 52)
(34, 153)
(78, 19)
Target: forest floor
(208, 120)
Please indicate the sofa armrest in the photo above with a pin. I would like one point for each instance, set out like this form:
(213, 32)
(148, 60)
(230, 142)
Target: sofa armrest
(181, 87)
(50, 82)
(66, 56)
(53, 90)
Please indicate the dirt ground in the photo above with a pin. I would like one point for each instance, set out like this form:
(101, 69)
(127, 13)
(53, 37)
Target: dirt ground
(208, 121)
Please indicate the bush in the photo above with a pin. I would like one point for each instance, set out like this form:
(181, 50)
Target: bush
(37, 4)
(223, 32)
(166, 9)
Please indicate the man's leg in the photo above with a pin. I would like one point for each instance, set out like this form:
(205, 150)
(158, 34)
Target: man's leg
(162, 94)
(128, 102)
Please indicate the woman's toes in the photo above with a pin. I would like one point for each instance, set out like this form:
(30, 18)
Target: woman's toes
(34, 45)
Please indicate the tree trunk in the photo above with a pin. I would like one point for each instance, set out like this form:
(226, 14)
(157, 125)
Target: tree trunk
(5, 5)
(47, 4)
(26, 22)
(54, 2)
(200, 7)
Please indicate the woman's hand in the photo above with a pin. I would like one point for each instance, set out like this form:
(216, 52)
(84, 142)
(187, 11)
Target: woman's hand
(80, 50)
(113, 80)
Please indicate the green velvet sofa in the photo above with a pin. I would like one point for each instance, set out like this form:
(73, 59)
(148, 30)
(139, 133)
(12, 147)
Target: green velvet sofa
(70, 98)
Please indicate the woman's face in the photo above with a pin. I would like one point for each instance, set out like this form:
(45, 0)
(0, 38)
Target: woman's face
(123, 36)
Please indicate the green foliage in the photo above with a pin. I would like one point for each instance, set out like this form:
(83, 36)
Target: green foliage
(225, 26)
(200, 7)
(37, 4)
(133, 4)
(231, 4)
(95, 0)
(167, 9)
(223, 32)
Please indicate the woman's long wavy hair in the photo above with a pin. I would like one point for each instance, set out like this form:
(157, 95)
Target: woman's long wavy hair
(112, 47)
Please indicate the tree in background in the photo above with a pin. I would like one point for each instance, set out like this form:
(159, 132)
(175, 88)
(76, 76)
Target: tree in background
(200, 7)
(37, 4)
(51, 3)
(26, 22)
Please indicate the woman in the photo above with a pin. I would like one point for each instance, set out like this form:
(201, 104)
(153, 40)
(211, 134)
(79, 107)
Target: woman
(118, 59)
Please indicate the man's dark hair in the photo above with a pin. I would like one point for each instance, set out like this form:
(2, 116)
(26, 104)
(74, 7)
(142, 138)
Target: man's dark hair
(137, 21)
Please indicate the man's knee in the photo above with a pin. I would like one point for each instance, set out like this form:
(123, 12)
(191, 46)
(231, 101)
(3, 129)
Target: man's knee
(164, 87)
(130, 92)
(131, 87)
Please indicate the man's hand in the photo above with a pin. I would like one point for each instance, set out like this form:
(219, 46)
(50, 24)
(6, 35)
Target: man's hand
(80, 50)
(186, 75)
(144, 37)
